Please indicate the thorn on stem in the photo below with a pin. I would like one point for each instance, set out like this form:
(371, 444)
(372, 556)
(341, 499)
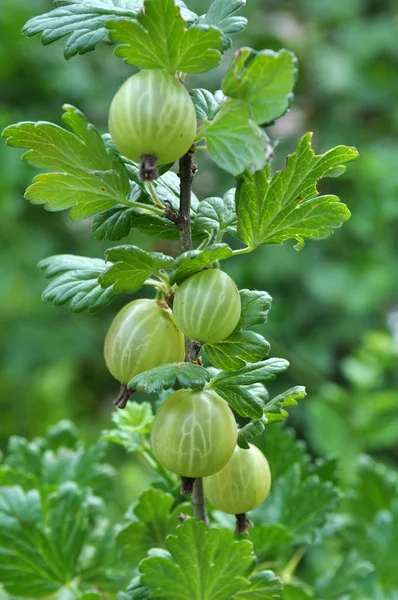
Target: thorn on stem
(242, 524)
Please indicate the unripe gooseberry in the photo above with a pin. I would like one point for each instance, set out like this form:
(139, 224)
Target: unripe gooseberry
(152, 114)
(242, 485)
(142, 336)
(207, 306)
(194, 433)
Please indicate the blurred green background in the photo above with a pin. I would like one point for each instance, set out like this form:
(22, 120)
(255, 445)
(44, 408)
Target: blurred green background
(334, 302)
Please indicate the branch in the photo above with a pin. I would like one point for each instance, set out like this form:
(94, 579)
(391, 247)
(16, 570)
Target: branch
(183, 222)
(187, 173)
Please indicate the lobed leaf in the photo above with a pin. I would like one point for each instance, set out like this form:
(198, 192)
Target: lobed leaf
(253, 373)
(234, 141)
(255, 308)
(274, 409)
(250, 431)
(221, 14)
(75, 281)
(132, 423)
(87, 177)
(217, 215)
(344, 579)
(84, 22)
(159, 39)
(156, 517)
(200, 563)
(206, 104)
(264, 80)
(131, 268)
(193, 261)
(287, 205)
(164, 377)
(264, 585)
(235, 351)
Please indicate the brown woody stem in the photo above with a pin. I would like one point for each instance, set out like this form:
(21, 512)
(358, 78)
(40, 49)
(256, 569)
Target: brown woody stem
(183, 221)
(242, 524)
(148, 169)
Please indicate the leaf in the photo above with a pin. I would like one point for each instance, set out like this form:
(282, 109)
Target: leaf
(75, 282)
(235, 351)
(255, 308)
(221, 14)
(265, 80)
(274, 408)
(200, 563)
(159, 39)
(164, 377)
(132, 423)
(263, 586)
(206, 104)
(84, 22)
(253, 373)
(250, 431)
(40, 548)
(344, 579)
(156, 517)
(87, 177)
(217, 215)
(193, 261)
(287, 206)
(300, 502)
(283, 450)
(270, 540)
(131, 268)
(113, 224)
(240, 399)
(44, 467)
(234, 142)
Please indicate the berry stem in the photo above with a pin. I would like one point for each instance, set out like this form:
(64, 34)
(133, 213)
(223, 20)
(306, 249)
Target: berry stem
(199, 501)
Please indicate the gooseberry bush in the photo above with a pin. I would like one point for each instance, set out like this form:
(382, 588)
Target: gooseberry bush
(214, 428)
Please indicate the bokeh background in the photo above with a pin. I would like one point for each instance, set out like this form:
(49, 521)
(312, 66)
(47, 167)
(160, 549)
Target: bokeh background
(335, 302)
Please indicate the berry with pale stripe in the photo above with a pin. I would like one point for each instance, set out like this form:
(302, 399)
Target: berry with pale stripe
(194, 433)
(207, 306)
(242, 485)
(142, 336)
(152, 114)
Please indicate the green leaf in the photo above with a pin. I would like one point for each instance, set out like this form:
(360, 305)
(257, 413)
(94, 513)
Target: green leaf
(300, 502)
(221, 14)
(274, 409)
(283, 450)
(235, 351)
(255, 308)
(344, 579)
(251, 431)
(287, 206)
(75, 282)
(201, 564)
(263, 586)
(113, 224)
(265, 80)
(40, 547)
(296, 592)
(165, 376)
(159, 39)
(44, 467)
(132, 423)
(253, 373)
(375, 489)
(193, 261)
(87, 177)
(206, 104)
(156, 517)
(234, 141)
(217, 215)
(131, 268)
(240, 399)
(84, 22)
(270, 540)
